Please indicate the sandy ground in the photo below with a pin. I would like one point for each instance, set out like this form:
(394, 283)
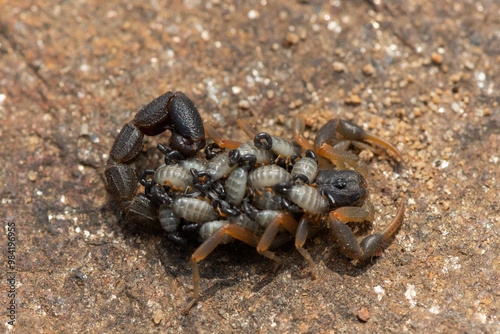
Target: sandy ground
(423, 75)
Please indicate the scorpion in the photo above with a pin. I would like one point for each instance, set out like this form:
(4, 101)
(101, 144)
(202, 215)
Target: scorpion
(262, 192)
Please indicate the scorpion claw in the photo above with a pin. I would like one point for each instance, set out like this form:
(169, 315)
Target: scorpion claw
(373, 244)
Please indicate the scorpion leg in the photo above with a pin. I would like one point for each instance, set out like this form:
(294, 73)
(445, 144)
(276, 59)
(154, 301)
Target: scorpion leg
(209, 245)
(337, 154)
(269, 235)
(247, 128)
(342, 159)
(371, 245)
(298, 127)
(217, 138)
(300, 239)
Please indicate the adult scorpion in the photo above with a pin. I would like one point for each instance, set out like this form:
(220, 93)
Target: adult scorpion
(260, 192)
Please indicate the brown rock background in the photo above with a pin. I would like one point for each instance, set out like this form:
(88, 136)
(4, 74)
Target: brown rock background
(423, 74)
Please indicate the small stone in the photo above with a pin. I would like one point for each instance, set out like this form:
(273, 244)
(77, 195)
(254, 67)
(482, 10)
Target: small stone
(363, 314)
(295, 104)
(302, 32)
(338, 67)
(32, 175)
(437, 58)
(270, 93)
(84, 130)
(387, 102)
(354, 99)
(310, 87)
(456, 77)
(368, 70)
(253, 14)
(309, 122)
(469, 65)
(436, 99)
(243, 104)
(291, 38)
(158, 317)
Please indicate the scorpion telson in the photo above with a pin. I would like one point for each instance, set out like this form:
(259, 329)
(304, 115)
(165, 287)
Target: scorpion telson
(263, 192)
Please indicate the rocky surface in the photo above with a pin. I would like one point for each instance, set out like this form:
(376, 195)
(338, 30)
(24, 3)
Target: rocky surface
(422, 74)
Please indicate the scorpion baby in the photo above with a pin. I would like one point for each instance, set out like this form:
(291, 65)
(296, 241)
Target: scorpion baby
(263, 192)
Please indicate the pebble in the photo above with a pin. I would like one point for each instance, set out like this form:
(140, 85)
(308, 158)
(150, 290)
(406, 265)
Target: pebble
(437, 58)
(436, 99)
(32, 176)
(363, 314)
(368, 70)
(158, 317)
(253, 14)
(387, 102)
(243, 104)
(338, 67)
(354, 99)
(302, 32)
(270, 93)
(469, 65)
(295, 104)
(456, 77)
(291, 38)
